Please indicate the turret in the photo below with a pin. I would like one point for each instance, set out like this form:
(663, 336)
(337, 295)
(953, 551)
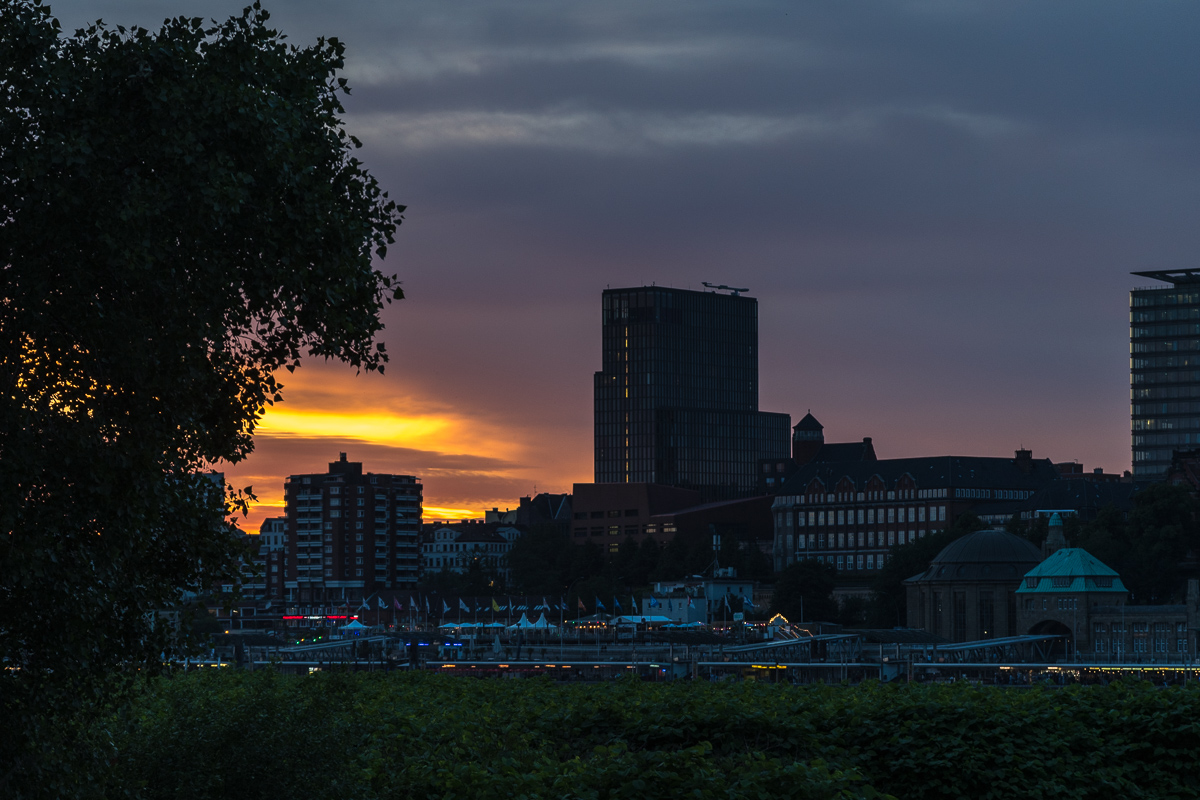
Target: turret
(1055, 540)
(808, 436)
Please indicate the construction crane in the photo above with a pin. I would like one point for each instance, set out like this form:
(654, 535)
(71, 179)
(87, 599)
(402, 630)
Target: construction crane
(736, 292)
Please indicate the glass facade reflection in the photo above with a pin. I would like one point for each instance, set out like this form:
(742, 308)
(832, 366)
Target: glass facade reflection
(1164, 368)
(676, 400)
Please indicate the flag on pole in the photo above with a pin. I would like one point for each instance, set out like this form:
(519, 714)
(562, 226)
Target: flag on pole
(746, 601)
(616, 604)
(495, 605)
(599, 605)
(463, 605)
(445, 607)
(691, 604)
(396, 604)
(633, 603)
(582, 607)
(267, 607)
(653, 601)
(382, 605)
(545, 605)
(727, 603)
(365, 604)
(426, 604)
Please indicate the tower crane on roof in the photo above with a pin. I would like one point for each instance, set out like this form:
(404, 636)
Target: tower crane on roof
(736, 292)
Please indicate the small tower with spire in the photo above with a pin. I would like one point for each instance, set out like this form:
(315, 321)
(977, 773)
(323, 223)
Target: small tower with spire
(808, 436)
(1055, 540)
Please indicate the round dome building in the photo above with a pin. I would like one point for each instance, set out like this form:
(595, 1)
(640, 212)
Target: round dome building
(969, 590)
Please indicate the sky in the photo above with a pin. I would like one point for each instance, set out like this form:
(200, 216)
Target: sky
(937, 204)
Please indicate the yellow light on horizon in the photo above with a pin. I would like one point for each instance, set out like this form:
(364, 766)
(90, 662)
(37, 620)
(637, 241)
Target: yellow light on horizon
(435, 512)
(370, 427)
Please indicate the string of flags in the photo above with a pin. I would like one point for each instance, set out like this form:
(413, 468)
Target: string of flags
(513, 606)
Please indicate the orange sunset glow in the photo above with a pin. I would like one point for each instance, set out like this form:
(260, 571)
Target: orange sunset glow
(466, 463)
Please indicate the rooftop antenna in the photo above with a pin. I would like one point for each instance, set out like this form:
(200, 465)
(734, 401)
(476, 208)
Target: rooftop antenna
(736, 292)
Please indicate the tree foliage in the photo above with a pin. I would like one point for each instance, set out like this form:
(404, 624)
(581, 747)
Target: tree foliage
(180, 217)
(804, 592)
(546, 560)
(436, 736)
(1154, 549)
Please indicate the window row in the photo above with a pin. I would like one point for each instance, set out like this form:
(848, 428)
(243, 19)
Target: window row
(868, 516)
(843, 541)
(870, 561)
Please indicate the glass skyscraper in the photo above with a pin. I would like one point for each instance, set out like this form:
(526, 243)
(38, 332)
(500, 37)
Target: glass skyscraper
(1164, 366)
(676, 400)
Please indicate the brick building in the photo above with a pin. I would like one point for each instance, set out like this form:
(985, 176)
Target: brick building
(809, 445)
(350, 533)
(606, 513)
(847, 514)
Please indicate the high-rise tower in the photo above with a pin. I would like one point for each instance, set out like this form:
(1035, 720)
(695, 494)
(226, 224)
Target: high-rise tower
(676, 400)
(1164, 361)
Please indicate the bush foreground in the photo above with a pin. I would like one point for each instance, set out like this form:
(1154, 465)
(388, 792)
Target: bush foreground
(339, 735)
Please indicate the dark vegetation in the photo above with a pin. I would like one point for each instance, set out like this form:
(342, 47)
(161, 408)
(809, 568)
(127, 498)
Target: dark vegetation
(1154, 548)
(331, 735)
(180, 220)
(547, 562)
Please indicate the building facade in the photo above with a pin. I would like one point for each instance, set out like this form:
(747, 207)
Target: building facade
(676, 399)
(269, 549)
(848, 514)
(350, 533)
(808, 445)
(968, 592)
(454, 547)
(992, 584)
(606, 513)
(1164, 367)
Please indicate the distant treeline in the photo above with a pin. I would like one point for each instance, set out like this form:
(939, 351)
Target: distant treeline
(544, 561)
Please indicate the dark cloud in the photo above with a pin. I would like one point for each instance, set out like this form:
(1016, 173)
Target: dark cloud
(936, 203)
